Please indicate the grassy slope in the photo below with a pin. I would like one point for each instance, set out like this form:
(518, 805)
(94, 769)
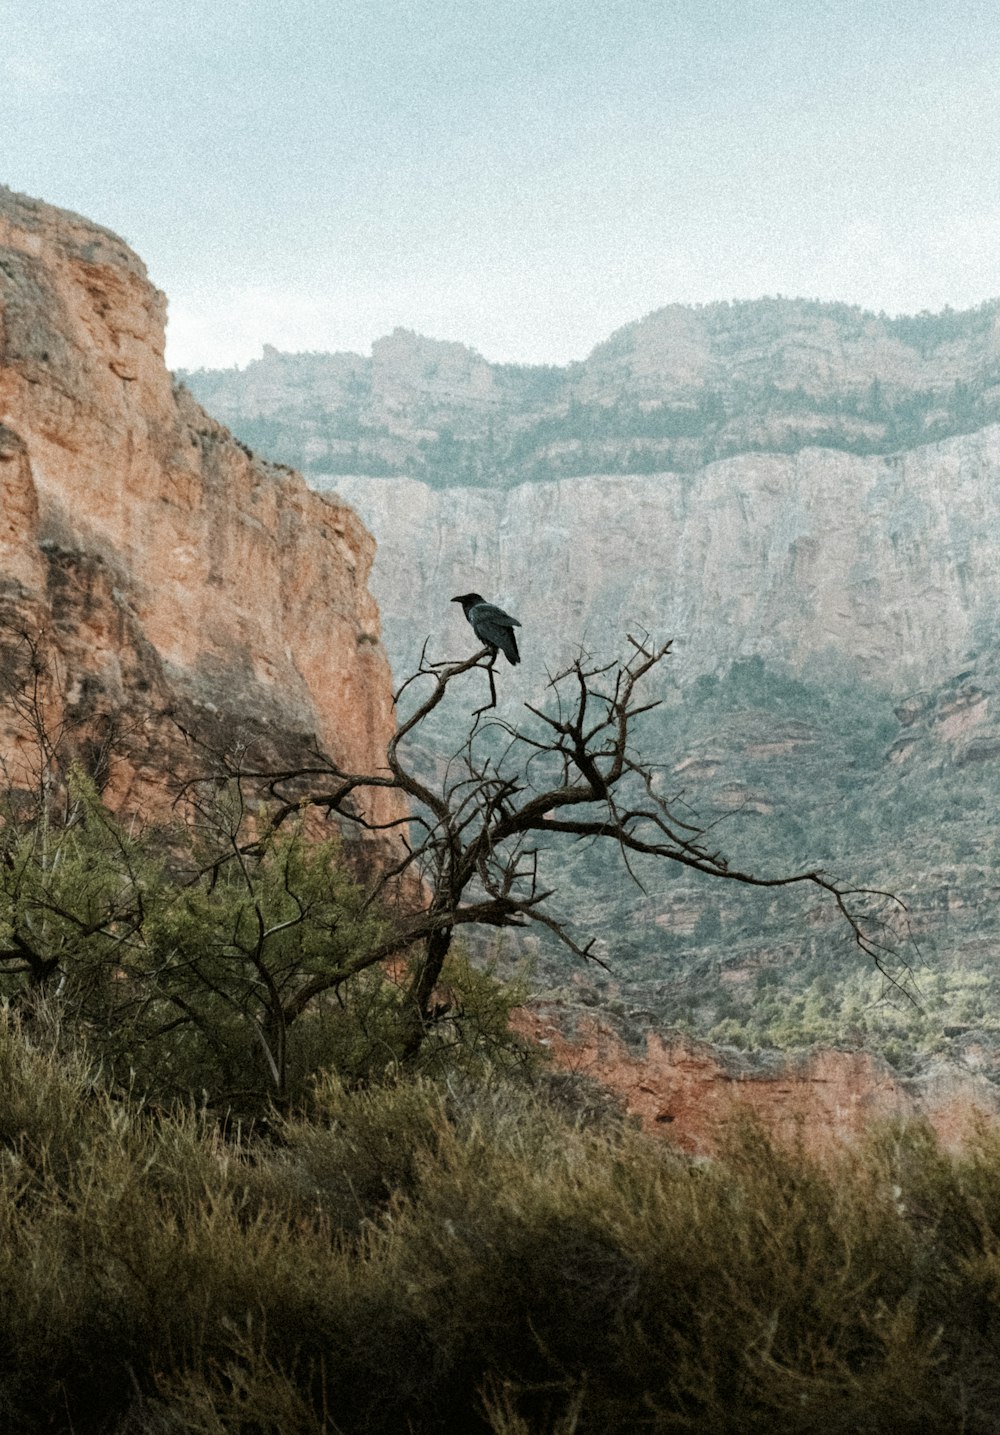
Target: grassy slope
(457, 1257)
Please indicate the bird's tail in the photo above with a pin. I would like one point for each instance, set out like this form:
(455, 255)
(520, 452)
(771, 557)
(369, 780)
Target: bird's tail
(510, 646)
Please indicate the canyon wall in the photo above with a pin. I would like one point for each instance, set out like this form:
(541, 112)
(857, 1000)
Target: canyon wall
(174, 581)
(672, 392)
(832, 700)
(806, 500)
(888, 565)
(690, 1092)
(170, 578)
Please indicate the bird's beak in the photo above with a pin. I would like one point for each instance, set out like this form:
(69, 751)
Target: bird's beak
(456, 600)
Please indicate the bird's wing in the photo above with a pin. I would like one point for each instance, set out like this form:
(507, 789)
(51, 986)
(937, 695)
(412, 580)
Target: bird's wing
(490, 613)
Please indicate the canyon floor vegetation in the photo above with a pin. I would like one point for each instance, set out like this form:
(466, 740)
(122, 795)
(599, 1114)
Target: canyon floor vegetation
(485, 1252)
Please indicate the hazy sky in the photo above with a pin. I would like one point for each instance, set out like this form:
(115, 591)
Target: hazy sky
(522, 175)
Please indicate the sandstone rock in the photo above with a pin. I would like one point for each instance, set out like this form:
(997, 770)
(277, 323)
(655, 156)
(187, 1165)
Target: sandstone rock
(689, 1090)
(170, 574)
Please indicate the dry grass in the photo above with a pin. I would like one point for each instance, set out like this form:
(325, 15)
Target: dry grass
(463, 1256)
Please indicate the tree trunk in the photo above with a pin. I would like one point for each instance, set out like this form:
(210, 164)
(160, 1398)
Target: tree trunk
(418, 1017)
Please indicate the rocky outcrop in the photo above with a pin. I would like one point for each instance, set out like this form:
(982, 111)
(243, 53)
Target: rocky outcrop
(674, 391)
(168, 575)
(688, 1091)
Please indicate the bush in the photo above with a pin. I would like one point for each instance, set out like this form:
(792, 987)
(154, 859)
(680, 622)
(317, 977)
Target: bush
(228, 970)
(461, 1254)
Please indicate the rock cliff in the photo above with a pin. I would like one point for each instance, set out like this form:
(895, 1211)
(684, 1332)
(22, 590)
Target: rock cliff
(833, 699)
(688, 1090)
(673, 391)
(166, 572)
(888, 566)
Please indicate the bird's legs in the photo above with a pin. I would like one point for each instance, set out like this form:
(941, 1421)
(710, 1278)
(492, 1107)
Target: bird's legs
(494, 654)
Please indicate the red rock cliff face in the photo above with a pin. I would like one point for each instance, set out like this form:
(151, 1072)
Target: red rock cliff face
(170, 573)
(688, 1090)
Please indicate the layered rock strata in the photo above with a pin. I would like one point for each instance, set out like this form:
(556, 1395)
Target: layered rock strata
(888, 565)
(672, 392)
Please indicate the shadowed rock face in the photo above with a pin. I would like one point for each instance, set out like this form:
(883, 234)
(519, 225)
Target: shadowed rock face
(170, 574)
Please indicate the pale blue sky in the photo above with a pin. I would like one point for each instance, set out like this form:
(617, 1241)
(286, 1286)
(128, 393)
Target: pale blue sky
(522, 175)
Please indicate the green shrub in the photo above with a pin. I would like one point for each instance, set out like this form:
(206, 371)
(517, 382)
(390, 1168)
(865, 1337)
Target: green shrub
(461, 1253)
(232, 972)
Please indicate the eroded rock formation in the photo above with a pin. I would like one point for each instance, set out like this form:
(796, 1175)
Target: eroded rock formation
(689, 1091)
(886, 565)
(168, 574)
(671, 392)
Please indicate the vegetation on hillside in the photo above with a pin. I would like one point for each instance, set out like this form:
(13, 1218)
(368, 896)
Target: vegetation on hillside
(769, 383)
(237, 1198)
(483, 1255)
(234, 942)
(813, 766)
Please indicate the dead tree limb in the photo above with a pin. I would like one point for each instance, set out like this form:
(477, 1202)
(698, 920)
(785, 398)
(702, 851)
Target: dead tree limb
(471, 840)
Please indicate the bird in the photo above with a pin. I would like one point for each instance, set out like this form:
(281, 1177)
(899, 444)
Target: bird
(491, 625)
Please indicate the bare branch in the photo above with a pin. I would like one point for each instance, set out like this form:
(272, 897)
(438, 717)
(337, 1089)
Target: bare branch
(469, 844)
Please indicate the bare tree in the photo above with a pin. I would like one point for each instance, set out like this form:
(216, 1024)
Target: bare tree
(477, 840)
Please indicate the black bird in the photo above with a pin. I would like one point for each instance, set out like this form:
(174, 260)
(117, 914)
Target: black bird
(491, 624)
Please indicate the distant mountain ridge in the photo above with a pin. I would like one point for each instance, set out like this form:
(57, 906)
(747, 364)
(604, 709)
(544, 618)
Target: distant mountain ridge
(673, 391)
